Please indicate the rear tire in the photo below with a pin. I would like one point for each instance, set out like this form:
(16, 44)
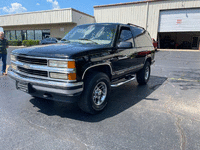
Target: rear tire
(95, 94)
(144, 74)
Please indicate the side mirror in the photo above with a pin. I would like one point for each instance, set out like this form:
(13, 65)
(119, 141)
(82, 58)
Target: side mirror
(125, 45)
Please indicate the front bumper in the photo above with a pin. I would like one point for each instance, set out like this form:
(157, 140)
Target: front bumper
(46, 88)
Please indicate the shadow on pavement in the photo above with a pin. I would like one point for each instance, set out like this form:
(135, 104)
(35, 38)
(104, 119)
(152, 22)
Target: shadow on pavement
(121, 99)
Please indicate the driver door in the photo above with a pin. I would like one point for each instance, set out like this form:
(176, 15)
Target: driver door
(124, 60)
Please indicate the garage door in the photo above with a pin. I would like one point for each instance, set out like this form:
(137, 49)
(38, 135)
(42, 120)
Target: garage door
(184, 20)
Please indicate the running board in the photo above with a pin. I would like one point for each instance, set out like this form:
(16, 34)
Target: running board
(121, 83)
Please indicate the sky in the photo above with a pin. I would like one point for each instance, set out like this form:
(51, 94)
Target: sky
(20, 6)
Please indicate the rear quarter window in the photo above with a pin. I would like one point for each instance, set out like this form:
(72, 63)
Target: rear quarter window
(125, 35)
(137, 31)
(143, 40)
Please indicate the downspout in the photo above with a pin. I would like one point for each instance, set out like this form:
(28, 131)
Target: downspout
(147, 16)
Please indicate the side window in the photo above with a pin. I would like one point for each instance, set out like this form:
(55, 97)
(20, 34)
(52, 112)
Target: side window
(126, 35)
(137, 31)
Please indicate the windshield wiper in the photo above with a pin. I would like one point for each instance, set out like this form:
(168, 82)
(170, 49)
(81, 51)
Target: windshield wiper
(88, 40)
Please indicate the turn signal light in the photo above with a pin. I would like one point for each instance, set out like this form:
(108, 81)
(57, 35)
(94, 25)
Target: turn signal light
(72, 76)
(71, 64)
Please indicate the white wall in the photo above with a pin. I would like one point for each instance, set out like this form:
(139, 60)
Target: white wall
(40, 17)
(81, 18)
(135, 14)
(68, 15)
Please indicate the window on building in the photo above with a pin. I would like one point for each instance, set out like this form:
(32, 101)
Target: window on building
(45, 33)
(7, 35)
(24, 35)
(12, 35)
(19, 35)
(30, 35)
(38, 34)
(27, 34)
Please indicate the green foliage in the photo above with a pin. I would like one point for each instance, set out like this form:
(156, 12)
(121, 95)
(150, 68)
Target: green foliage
(37, 42)
(30, 42)
(24, 42)
(14, 43)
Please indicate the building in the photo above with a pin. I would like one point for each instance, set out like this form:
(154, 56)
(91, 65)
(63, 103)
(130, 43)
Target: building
(174, 23)
(42, 24)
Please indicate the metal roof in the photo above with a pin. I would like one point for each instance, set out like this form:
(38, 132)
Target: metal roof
(129, 3)
(67, 15)
(49, 11)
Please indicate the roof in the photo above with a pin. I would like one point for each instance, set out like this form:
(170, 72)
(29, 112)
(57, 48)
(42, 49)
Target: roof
(129, 24)
(58, 16)
(103, 23)
(129, 3)
(48, 11)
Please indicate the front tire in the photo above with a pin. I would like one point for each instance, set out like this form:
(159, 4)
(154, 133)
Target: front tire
(95, 94)
(144, 74)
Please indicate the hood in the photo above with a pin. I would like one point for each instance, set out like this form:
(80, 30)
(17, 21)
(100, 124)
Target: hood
(62, 50)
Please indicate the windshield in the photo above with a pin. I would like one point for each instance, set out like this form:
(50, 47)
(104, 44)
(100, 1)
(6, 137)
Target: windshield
(93, 34)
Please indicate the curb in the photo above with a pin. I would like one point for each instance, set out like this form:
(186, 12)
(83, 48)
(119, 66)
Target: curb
(179, 50)
(16, 46)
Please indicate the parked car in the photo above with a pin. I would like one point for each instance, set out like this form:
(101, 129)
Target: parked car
(49, 40)
(91, 59)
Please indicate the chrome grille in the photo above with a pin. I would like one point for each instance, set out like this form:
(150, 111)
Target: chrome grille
(32, 60)
(33, 72)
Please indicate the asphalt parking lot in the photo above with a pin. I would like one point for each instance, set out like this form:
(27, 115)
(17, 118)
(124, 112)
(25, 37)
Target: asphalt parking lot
(163, 115)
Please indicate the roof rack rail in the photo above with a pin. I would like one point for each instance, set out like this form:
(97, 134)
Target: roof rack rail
(135, 25)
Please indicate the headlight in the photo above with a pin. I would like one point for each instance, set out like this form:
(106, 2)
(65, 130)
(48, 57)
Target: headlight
(58, 64)
(61, 64)
(58, 75)
(13, 58)
(14, 66)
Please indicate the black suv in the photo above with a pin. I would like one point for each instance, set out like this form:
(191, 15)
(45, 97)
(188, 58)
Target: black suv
(90, 60)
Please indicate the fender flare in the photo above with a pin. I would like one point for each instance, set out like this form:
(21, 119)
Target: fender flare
(103, 64)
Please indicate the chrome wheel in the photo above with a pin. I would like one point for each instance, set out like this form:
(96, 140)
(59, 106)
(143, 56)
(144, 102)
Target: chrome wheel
(99, 93)
(146, 73)
(94, 97)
